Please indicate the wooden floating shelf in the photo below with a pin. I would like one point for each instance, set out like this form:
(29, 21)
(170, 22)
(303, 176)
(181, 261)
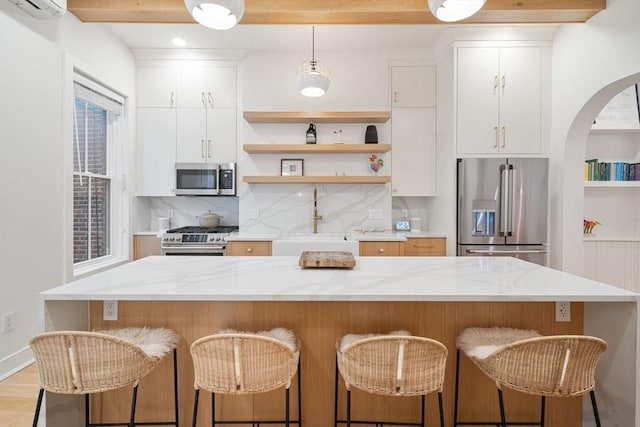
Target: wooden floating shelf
(262, 179)
(610, 184)
(317, 117)
(316, 148)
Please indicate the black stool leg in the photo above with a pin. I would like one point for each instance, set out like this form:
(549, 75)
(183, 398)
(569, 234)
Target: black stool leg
(441, 407)
(38, 405)
(348, 408)
(422, 411)
(195, 408)
(86, 410)
(455, 391)
(175, 384)
(286, 406)
(213, 409)
(299, 395)
(502, 417)
(595, 407)
(134, 399)
(543, 401)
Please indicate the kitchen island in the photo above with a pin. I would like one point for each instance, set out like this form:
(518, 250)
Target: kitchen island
(435, 297)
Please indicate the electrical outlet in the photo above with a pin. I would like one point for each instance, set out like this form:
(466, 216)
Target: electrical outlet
(8, 321)
(405, 213)
(254, 214)
(563, 311)
(375, 213)
(110, 310)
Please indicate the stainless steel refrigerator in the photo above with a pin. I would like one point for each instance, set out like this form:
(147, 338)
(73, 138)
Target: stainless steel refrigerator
(502, 208)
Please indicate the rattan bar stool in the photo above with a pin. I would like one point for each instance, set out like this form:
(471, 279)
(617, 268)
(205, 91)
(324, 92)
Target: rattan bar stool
(240, 363)
(390, 365)
(525, 361)
(84, 363)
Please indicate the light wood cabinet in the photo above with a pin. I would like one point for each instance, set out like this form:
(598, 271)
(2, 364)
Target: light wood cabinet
(499, 100)
(144, 246)
(425, 246)
(249, 248)
(381, 248)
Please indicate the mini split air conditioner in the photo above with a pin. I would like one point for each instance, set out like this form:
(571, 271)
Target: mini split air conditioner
(42, 9)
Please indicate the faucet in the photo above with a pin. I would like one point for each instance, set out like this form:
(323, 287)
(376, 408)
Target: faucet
(316, 217)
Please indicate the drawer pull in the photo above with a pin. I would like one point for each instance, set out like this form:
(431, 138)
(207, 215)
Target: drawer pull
(423, 246)
(249, 250)
(381, 250)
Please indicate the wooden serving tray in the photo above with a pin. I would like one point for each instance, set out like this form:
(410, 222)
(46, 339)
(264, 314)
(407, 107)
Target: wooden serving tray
(326, 259)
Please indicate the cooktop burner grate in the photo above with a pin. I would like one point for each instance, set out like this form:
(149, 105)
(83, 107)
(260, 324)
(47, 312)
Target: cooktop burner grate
(201, 230)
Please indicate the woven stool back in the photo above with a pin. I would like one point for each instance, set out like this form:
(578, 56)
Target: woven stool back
(242, 363)
(560, 365)
(394, 365)
(76, 362)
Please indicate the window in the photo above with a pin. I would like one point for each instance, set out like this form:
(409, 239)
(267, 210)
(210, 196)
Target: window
(97, 113)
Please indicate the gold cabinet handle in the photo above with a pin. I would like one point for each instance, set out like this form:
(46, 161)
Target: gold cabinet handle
(171, 100)
(202, 149)
(504, 136)
(423, 246)
(495, 134)
(204, 100)
(495, 84)
(249, 250)
(210, 97)
(381, 250)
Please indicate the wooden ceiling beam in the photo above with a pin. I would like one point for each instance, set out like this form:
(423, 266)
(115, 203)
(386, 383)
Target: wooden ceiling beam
(339, 11)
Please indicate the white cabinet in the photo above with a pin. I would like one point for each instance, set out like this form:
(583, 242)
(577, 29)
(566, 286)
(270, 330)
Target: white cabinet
(156, 144)
(499, 100)
(413, 86)
(157, 87)
(207, 87)
(413, 131)
(206, 135)
(413, 164)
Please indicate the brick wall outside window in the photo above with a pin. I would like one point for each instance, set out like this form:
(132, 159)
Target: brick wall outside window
(91, 194)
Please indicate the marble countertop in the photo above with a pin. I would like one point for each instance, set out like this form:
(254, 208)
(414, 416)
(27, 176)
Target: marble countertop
(359, 236)
(193, 278)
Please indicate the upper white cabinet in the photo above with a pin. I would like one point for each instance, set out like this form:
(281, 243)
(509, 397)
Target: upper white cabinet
(206, 135)
(157, 87)
(413, 131)
(499, 100)
(156, 147)
(413, 86)
(207, 87)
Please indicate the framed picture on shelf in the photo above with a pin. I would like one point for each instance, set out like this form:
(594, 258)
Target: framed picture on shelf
(622, 112)
(291, 167)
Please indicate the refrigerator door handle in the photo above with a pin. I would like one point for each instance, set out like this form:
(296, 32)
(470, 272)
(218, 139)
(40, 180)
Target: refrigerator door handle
(504, 199)
(505, 252)
(511, 197)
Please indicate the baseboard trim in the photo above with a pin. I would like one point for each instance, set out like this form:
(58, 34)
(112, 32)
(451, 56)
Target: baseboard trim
(15, 362)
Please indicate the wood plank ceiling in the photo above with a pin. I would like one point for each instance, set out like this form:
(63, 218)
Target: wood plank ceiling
(339, 11)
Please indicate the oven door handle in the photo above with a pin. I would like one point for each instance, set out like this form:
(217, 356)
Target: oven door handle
(190, 248)
(515, 252)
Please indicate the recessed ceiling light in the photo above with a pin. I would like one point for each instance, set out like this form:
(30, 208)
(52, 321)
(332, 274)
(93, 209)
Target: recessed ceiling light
(178, 41)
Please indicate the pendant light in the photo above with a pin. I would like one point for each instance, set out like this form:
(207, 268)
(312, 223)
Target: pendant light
(216, 14)
(454, 10)
(313, 77)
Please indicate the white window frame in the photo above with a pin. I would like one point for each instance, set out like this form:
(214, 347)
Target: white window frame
(116, 143)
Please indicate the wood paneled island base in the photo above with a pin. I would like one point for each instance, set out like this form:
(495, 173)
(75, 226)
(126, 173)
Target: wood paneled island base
(318, 325)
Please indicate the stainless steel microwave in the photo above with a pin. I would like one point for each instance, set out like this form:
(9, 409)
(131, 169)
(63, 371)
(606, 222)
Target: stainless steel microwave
(205, 179)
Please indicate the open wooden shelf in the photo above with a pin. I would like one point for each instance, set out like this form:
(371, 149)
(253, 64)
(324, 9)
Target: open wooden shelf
(317, 116)
(619, 184)
(352, 179)
(316, 148)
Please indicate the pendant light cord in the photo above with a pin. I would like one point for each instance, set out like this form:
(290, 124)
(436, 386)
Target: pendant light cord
(313, 43)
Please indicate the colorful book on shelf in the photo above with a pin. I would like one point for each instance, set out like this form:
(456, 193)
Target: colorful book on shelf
(591, 168)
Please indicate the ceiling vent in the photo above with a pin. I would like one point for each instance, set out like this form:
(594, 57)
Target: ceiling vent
(42, 9)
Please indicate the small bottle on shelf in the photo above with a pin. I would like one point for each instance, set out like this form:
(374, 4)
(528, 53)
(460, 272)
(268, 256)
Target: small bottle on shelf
(311, 134)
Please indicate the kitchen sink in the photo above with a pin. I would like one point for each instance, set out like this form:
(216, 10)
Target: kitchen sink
(295, 244)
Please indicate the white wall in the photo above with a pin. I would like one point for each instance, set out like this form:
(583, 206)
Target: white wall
(591, 63)
(35, 151)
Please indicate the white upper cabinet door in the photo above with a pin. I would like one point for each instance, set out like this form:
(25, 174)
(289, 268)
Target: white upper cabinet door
(413, 86)
(413, 165)
(498, 100)
(520, 100)
(221, 89)
(157, 87)
(221, 135)
(156, 144)
(477, 98)
(192, 136)
(192, 87)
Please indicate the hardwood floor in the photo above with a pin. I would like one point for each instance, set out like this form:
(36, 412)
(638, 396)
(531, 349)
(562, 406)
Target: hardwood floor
(18, 396)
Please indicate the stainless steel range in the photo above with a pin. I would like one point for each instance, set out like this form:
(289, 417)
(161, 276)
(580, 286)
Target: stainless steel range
(195, 240)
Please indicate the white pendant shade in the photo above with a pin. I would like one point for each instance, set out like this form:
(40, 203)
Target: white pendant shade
(216, 14)
(454, 10)
(313, 77)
